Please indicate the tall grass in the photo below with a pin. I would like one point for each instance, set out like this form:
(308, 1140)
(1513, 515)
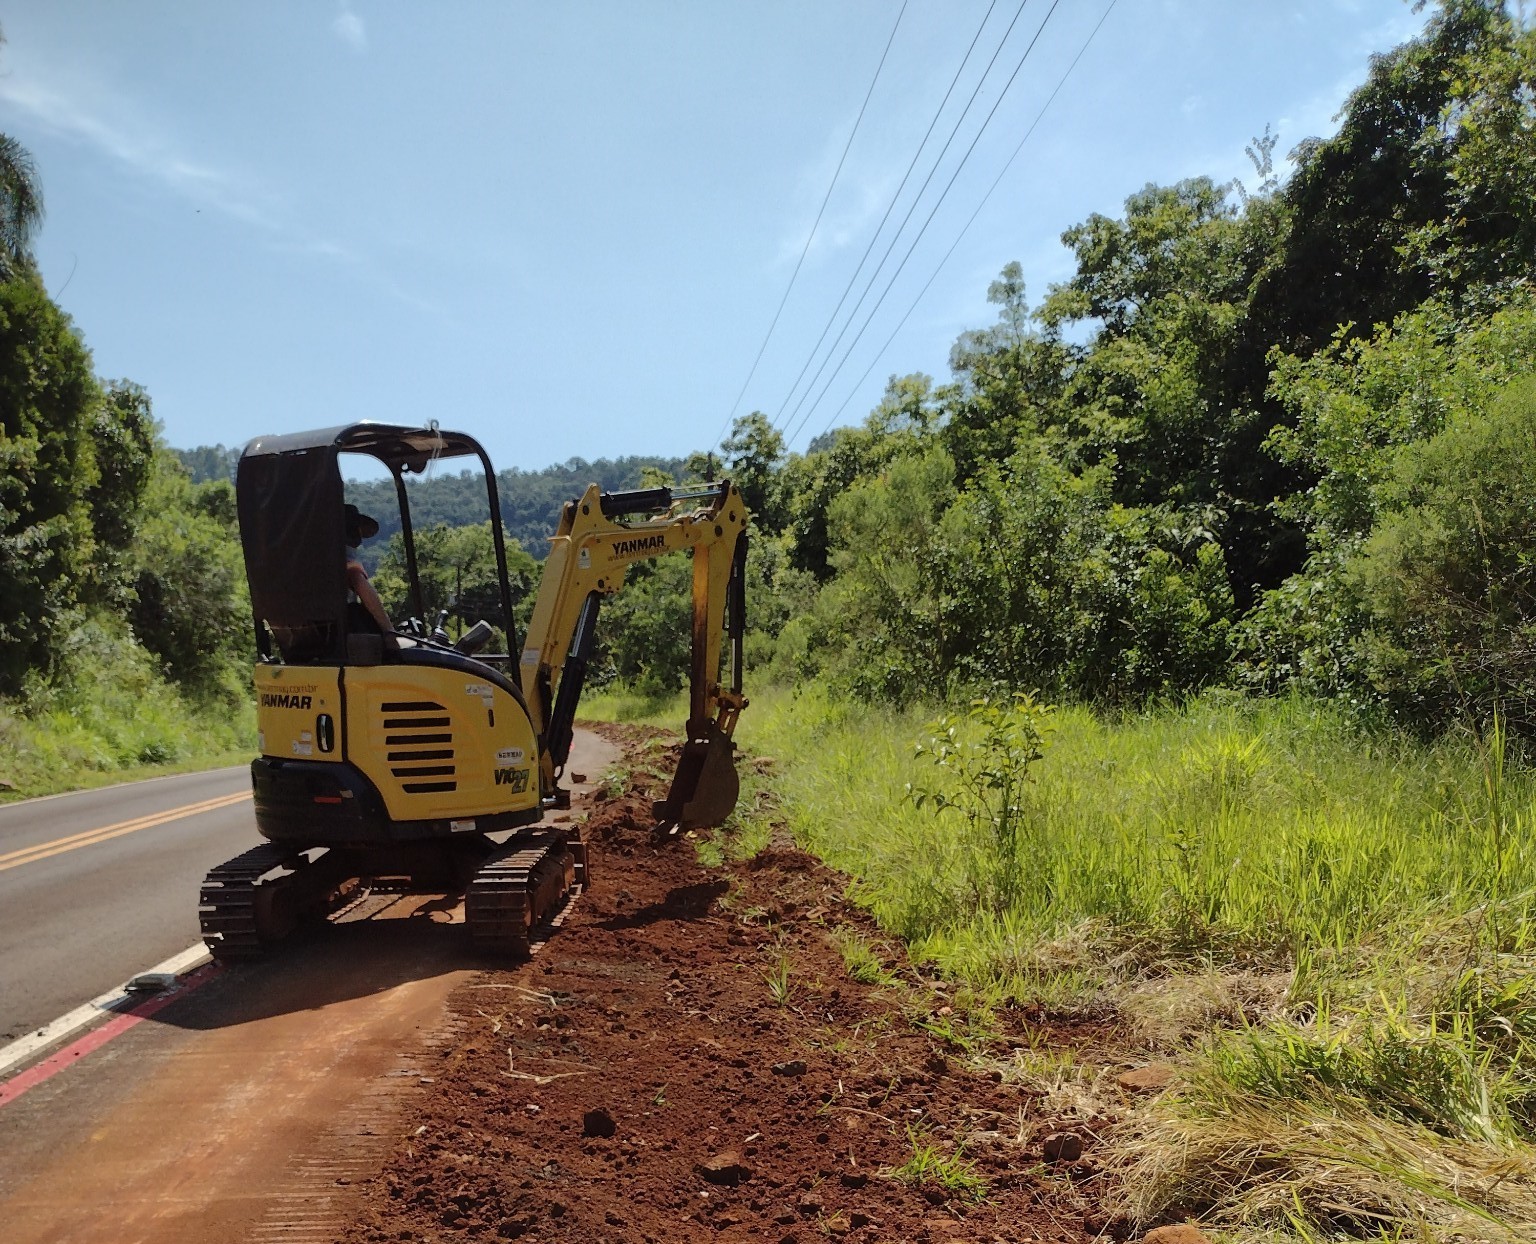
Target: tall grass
(1334, 931)
(616, 702)
(107, 715)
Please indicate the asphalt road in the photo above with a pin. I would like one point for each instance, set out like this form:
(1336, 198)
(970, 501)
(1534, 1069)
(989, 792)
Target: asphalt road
(99, 885)
(254, 1105)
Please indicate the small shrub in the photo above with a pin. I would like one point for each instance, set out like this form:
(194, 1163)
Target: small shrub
(987, 757)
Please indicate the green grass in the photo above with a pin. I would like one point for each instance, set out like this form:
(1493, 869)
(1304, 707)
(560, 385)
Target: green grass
(112, 718)
(780, 980)
(865, 963)
(929, 1164)
(1320, 924)
(617, 703)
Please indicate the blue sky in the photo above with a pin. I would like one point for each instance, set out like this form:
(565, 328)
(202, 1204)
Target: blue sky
(565, 228)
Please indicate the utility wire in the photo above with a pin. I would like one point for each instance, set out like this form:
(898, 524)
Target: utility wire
(895, 237)
(889, 207)
(810, 237)
(948, 186)
(984, 198)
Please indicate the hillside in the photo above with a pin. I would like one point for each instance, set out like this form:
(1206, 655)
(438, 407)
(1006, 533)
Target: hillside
(530, 500)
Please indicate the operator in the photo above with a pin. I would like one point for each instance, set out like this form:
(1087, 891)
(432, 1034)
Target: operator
(359, 528)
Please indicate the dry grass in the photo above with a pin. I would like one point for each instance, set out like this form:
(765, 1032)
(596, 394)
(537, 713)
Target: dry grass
(1323, 1166)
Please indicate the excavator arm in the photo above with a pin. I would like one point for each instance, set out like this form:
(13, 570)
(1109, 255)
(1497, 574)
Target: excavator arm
(599, 537)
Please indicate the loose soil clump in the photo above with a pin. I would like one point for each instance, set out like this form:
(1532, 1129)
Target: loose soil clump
(689, 1058)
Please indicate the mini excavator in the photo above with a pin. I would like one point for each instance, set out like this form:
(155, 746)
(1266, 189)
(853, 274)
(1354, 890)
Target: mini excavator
(411, 763)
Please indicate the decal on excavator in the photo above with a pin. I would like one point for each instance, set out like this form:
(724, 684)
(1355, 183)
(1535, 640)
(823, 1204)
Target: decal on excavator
(641, 544)
(517, 779)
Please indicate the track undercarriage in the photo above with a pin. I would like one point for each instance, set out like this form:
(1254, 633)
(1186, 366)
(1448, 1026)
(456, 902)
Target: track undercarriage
(250, 904)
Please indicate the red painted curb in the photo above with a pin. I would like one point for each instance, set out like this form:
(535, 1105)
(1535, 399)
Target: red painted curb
(98, 1037)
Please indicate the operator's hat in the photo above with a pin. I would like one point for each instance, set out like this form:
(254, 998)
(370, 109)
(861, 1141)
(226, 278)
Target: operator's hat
(359, 525)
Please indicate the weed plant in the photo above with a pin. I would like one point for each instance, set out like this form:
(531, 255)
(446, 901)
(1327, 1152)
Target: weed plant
(1334, 931)
(929, 1164)
(106, 714)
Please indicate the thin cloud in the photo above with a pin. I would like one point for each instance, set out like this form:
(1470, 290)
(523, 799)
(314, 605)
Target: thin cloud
(139, 150)
(154, 157)
(349, 28)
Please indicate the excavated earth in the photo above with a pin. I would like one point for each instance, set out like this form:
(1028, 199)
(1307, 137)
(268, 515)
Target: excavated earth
(688, 1058)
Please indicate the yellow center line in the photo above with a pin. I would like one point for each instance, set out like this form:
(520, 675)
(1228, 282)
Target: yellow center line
(89, 837)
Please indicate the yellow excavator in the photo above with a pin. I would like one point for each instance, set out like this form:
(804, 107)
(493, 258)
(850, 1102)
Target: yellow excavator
(398, 758)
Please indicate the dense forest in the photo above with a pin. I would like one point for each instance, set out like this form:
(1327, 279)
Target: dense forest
(1271, 436)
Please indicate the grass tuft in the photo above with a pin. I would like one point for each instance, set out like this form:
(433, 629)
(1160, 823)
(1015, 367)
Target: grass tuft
(865, 964)
(929, 1164)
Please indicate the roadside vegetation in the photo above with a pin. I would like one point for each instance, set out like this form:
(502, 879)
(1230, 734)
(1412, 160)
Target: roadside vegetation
(1328, 932)
(123, 624)
(1248, 500)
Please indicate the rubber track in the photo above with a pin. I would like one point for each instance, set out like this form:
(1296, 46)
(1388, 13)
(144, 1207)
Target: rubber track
(227, 905)
(498, 902)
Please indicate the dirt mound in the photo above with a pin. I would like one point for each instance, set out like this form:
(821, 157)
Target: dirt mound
(622, 820)
(690, 1058)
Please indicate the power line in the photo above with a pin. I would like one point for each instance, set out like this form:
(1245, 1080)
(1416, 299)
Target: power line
(984, 198)
(895, 237)
(817, 224)
(948, 186)
(889, 207)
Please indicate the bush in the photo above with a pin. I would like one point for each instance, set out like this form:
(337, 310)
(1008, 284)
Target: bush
(1448, 576)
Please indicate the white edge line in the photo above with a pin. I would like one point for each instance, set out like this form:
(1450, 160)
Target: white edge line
(91, 790)
(24, 1048)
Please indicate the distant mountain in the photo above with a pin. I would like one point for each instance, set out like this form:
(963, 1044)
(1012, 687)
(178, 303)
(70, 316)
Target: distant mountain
(530, 500)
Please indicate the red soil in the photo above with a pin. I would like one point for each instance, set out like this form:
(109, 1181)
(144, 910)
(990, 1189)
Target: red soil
(640, 1081)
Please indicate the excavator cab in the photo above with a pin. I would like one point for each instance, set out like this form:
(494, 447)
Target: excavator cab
(423, 765)
(293, 532)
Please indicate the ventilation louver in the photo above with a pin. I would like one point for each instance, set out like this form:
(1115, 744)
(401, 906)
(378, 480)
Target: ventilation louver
(419, 739)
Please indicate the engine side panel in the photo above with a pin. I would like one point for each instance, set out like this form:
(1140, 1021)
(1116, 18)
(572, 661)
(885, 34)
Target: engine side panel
(298, 712)
(439, 742)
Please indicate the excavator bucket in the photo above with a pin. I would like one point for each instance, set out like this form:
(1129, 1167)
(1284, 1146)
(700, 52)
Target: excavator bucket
(705, 787)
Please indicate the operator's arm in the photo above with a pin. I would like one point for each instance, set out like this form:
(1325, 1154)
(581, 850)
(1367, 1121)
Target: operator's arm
(357, 582)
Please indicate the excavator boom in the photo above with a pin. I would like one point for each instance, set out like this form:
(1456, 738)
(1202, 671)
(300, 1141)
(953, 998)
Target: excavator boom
(599, 537)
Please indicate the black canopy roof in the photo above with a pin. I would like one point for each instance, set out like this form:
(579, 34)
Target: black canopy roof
(399, 448)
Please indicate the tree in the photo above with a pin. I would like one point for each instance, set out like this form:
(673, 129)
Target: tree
(1485, 243)
(124, 441)
(645, 631)
(1383, 424)
(754, 451)
(1357, 206)
(457, 570)
(1172, 385)
(21, 204)
(48, 398)
(1448, 575)
(811, 483)
(189, 603)
(1010, 379)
